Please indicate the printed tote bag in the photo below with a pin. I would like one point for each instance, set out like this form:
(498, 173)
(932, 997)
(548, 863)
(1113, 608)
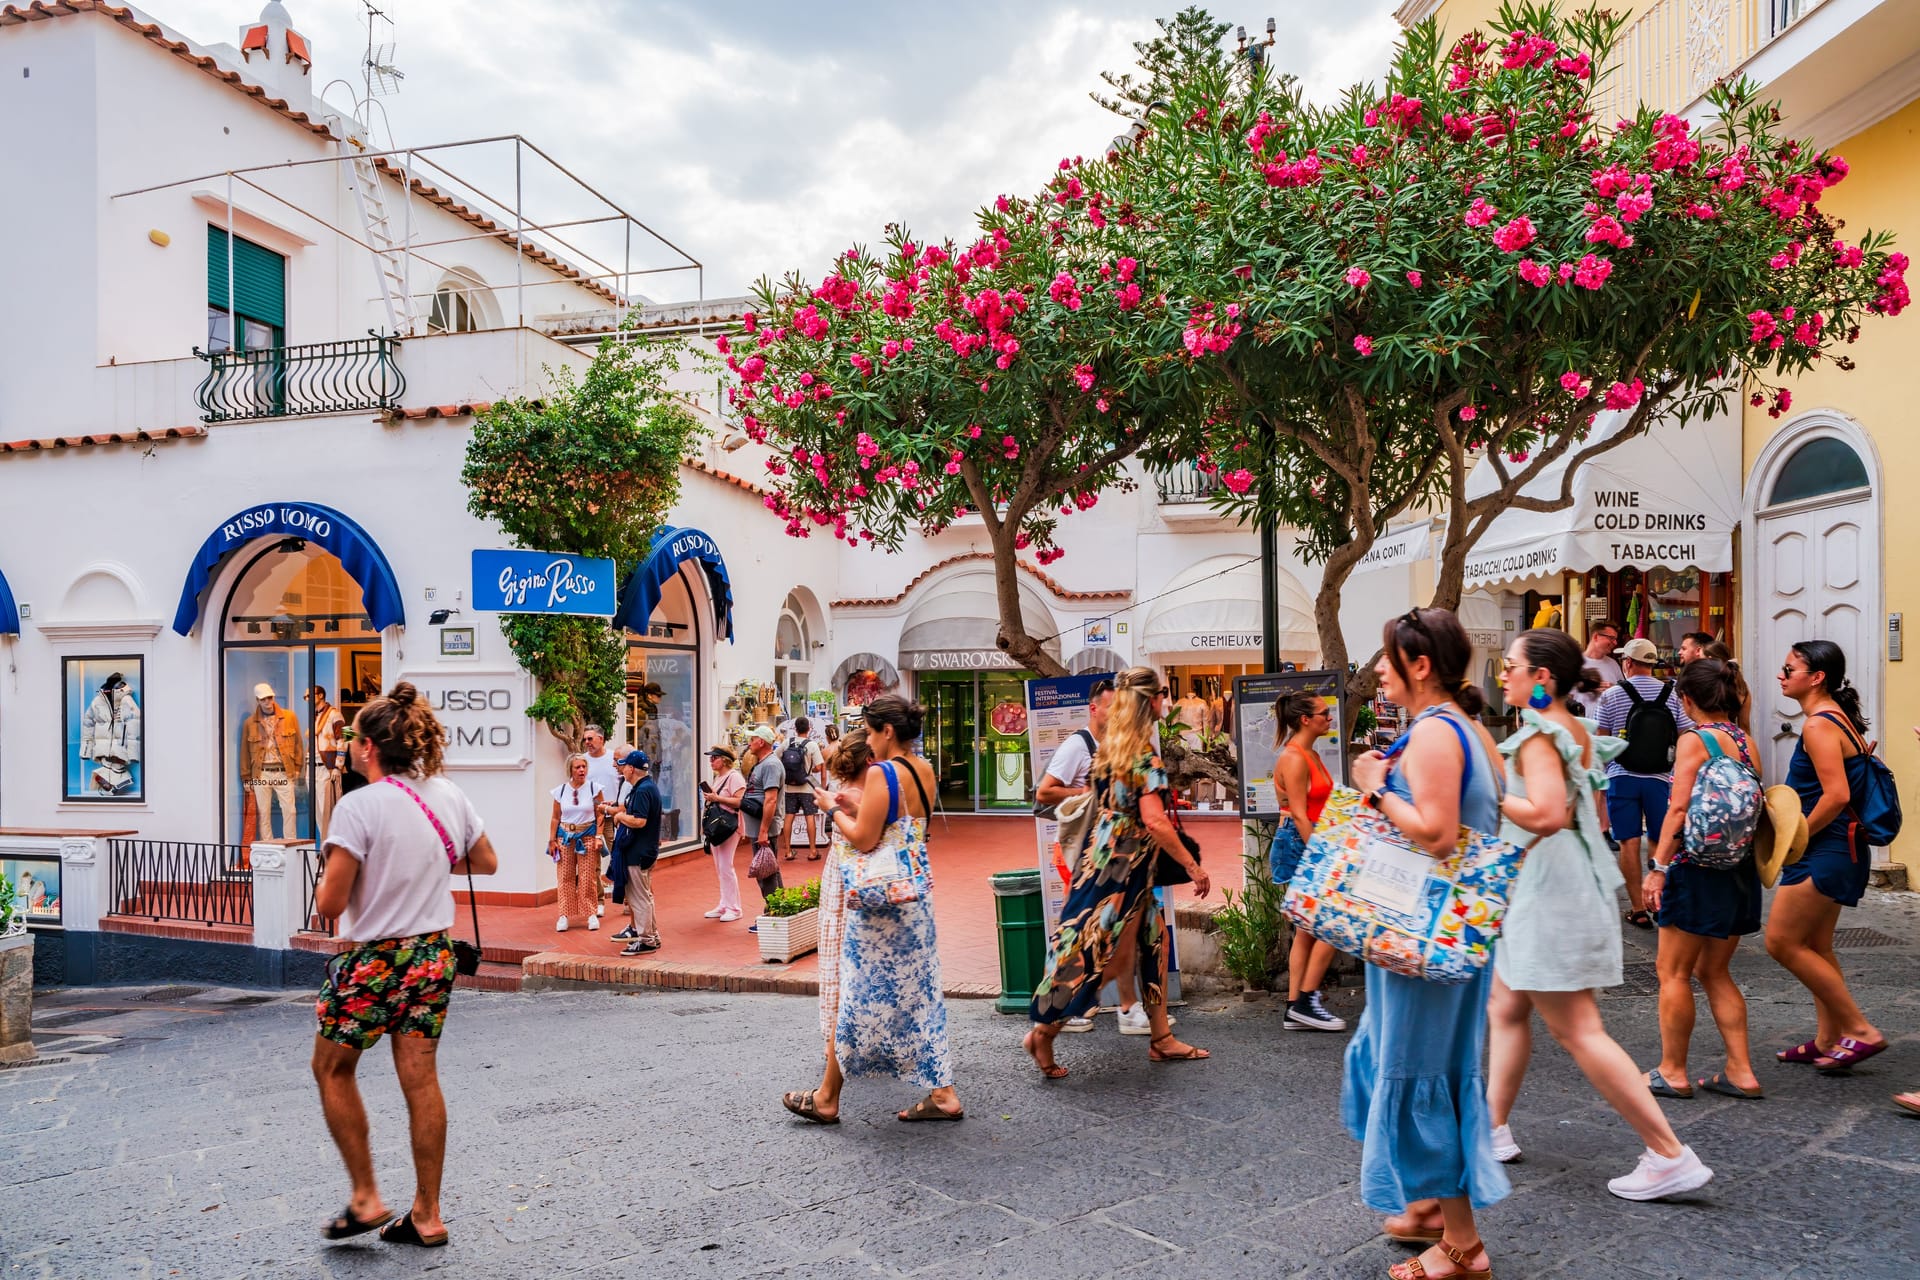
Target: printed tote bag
(894, 871)
(1367, 890)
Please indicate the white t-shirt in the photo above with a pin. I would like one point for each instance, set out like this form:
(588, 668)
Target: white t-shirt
(1071, 762)
(403, 889)
(1609, 670)
(816, 761)
(574, 811)
(606, 772)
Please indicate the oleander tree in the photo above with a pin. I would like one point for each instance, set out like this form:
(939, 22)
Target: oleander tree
(592, 468)
(1376, 293)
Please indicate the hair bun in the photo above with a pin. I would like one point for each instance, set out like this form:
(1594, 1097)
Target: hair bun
(403, 694)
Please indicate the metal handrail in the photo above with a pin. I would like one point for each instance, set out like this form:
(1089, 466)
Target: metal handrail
(1186, 482)
(180, 880)
(310, 920)
(1675, 50)
(318, 377)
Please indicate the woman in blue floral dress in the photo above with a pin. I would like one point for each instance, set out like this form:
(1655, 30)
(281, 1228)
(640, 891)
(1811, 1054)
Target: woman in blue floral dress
(1110, 919)
(882, 1009)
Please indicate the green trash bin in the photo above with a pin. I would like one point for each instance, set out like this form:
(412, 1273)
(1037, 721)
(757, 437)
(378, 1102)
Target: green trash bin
(1022, 918)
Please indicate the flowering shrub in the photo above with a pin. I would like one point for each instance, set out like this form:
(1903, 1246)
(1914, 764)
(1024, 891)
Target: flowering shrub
(592, 468)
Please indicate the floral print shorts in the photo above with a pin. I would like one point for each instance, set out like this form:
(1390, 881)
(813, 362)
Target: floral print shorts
(400, 985)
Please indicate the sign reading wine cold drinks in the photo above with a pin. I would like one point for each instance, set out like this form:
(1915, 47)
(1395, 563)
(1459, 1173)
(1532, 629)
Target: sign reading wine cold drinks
(542, 582)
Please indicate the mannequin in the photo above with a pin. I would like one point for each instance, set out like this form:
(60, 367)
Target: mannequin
(110, 737)
(272, 757)
(329, 753)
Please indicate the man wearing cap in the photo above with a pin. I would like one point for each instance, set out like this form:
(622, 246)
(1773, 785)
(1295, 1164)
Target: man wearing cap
(1640, 782)
(272, 756)
(766, 782)
(636, 847)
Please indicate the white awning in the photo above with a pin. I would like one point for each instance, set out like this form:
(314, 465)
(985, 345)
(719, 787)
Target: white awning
(1396, 550)
(957, 626)
(1213, 609)
(1670, 497)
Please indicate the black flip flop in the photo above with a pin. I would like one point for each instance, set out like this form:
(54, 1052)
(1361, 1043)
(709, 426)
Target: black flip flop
(1658, 1086)
(404, 1232)
(346, 1226)
(1718, 1083)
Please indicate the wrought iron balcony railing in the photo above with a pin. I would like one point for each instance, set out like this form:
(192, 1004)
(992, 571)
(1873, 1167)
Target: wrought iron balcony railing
(1675, 50)
(319, 377)
(1185, 482)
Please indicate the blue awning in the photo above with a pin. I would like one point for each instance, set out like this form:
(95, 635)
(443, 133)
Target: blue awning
(362, 557)
(672, 548)
(9, 616)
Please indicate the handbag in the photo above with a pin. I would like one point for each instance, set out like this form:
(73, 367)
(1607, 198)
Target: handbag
(718, 824)
(895, 870)
(1875, 800)
(1367, 890)
(1168, 869)
(764, 865)
(466, 955)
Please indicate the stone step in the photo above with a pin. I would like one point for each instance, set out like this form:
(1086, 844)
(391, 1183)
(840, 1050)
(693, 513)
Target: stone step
(493, 976)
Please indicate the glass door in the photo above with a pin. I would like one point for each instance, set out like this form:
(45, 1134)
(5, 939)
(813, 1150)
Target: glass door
(1002, 742)
(950, 733)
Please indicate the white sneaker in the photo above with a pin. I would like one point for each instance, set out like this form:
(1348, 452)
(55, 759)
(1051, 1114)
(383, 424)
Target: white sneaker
(727, 917)
(593, 922)
(560, 925)
(1077, 1025)
(716, 913)
(1505, 1149)
(1656, 1176)
(1133, 1021)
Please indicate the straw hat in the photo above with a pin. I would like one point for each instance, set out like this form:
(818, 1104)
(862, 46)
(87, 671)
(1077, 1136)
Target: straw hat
(1782, 835)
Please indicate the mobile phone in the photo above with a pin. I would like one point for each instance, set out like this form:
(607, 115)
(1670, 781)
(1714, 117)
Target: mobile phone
(706, 787)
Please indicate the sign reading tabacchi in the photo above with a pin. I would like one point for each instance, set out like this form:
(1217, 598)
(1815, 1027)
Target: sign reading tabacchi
(542, 582)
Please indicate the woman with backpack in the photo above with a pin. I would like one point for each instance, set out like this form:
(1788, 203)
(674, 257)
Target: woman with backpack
(1704, 888)
(1561, 940)
(1831, 770)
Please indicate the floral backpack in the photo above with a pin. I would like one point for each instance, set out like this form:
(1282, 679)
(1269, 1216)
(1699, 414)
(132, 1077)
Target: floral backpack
(1724, 811)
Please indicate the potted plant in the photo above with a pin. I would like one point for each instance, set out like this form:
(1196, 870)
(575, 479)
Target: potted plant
(16, 978)
(791, 926)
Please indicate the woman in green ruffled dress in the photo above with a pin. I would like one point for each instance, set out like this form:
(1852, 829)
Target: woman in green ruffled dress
(1561, 938)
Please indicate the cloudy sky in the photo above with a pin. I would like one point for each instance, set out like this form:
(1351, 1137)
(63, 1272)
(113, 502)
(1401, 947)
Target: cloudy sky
(763, 137)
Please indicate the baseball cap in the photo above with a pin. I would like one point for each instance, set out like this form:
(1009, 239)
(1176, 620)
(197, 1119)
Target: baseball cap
(263, 690)
(1640, 649)
(763, 733)
(636, 760)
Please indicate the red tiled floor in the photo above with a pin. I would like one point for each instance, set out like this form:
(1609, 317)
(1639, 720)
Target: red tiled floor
(965, 852)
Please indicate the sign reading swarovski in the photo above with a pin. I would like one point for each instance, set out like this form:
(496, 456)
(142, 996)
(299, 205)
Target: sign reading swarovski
(542, 582)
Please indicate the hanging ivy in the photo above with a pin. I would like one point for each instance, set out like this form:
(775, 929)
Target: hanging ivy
(591, 468)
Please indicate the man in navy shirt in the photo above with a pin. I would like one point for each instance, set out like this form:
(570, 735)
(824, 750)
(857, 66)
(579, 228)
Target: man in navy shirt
(636, 847)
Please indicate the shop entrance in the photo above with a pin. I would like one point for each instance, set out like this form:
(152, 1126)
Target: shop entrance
(663, 700)
(976, 738)
(299, 658)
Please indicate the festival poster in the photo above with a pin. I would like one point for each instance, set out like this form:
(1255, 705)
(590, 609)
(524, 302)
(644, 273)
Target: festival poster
(1056, 709)
(1259, 735)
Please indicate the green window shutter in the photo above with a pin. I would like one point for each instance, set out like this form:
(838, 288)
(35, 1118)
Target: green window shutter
(259, 278)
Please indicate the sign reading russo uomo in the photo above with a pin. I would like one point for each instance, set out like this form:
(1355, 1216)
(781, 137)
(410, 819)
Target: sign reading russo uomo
(542, 582)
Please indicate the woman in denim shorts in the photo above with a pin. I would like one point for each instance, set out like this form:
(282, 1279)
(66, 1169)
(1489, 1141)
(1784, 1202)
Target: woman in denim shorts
(1303, 785)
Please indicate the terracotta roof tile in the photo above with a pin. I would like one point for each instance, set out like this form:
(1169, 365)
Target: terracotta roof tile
(701, 466)
(876, 602)
(100, 438)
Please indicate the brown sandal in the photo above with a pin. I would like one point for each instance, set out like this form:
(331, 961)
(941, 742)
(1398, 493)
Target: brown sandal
(801, 1104)
(1412, 1234)
(928, 1109)
(1191, 1054)
(1414, 1269)
(1054, 1072)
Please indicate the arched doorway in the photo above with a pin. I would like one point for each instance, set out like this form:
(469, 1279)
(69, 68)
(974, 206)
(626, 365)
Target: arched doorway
(793, 648)
(663, 703)
(1816, 560)
(296, 646)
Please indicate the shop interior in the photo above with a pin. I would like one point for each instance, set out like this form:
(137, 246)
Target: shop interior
(662, 706)
(976, 738)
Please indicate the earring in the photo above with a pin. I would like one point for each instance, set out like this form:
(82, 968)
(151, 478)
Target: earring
(1540, 700)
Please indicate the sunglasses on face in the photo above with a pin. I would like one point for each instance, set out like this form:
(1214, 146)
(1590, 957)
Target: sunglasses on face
(1788, 673)
(350, 734)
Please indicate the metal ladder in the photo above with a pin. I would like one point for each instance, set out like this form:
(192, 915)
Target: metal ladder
(369, 194)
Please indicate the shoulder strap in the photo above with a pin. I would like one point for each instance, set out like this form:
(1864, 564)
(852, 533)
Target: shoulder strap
(1466, 747)
(446, 842)
(1086, 736)
(1846, 727)
(1666, 687)
(919, 786)
(1633, 691)
(893, 791)
(1712, 744)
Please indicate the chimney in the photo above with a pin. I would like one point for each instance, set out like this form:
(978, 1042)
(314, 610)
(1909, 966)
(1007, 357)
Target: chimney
(279, 58)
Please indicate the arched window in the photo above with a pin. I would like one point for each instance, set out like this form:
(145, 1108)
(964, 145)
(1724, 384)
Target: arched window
(1820, 466)
(462, 303)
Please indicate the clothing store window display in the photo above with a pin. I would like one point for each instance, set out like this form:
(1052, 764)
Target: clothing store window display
(110, 739)
(329, 726)
(574, 844)
(272, 761)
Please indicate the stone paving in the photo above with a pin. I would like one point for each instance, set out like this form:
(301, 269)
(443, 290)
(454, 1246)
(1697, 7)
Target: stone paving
(175, 1132)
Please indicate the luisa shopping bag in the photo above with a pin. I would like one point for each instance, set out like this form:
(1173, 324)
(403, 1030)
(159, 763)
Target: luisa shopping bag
(1367, 890)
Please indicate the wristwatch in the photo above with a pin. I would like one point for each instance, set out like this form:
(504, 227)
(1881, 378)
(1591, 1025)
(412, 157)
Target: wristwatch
(1372, 799)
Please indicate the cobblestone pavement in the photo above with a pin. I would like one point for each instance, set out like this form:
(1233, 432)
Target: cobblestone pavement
(176, 1133)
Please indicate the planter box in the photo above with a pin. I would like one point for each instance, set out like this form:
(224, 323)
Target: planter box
(784, 938)
(16, 998)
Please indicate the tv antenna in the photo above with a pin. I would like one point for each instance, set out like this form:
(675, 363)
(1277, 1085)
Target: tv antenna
(380, 76)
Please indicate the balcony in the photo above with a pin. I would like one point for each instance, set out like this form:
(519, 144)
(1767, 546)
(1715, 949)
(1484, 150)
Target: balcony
(319, 377)
(1185, 482)
(1835, 66)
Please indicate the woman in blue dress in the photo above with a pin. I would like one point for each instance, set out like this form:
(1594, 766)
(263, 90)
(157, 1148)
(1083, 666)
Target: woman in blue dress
(1826, 768)
(1413, 1093)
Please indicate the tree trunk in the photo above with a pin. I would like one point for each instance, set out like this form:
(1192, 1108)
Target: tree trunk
(1025, 650)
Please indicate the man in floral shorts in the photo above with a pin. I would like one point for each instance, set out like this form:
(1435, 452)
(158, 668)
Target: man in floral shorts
(390, 848)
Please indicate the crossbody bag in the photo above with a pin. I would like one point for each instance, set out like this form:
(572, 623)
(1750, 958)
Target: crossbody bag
(466, 955)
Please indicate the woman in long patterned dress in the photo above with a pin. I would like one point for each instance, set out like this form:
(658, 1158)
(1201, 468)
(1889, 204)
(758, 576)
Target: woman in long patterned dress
(1110, 919)
(882, 1009)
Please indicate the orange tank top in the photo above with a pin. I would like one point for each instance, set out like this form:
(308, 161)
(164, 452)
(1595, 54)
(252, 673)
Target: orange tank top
(1319, 781)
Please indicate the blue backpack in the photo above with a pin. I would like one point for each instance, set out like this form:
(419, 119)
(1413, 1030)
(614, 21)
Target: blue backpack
(1875, 798)
(1724, 811)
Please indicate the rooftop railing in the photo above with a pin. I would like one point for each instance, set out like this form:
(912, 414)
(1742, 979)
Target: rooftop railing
(319, 377)
(1673, 52)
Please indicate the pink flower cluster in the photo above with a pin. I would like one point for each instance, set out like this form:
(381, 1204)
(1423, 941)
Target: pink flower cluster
(1631, 193)
(1574, 385)
(1363, 344)
(1606, 229)
(1515, 236)
(1893, 297)
(1480, 213)
(1358, 277)
(1263, 128)
(1303, 172)
(1207, 333)
(1083, 376)
(1672, 147)
(1065, 290)
(1526, 50)
(1400, 111)
(1625, 395)
(810, 322)
(1580, 66)
(1128, 294)
(1238, 481)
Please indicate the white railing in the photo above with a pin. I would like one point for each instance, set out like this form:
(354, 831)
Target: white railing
(1673, 53)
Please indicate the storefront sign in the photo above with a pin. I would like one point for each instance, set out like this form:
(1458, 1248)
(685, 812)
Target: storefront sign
(673, 547)
(362, 558)
(1259, 734)
(484, 714)
(1397, 550)
(456, 642)
(542, 582)
(1202, 640)
(956, 660)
